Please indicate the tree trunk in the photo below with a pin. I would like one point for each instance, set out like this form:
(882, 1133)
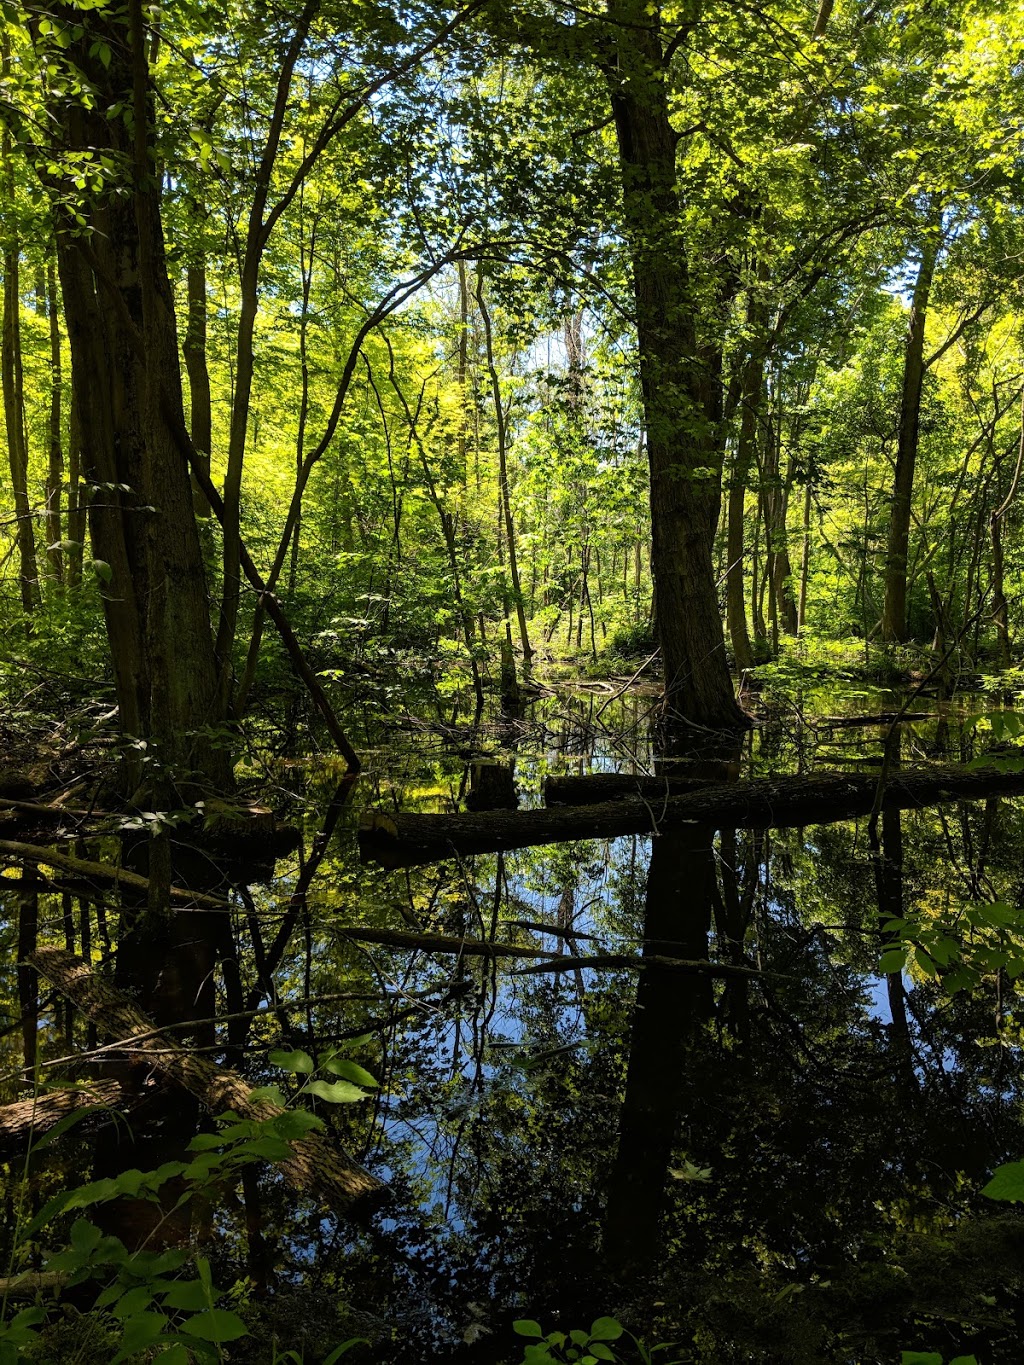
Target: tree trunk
(127, 385)
(680, 380)
(194, 350)
(55, 469)
(13, 379)
(503, 481)
(894, 611)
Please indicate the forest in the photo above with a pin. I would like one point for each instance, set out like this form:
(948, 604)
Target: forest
(512, 682)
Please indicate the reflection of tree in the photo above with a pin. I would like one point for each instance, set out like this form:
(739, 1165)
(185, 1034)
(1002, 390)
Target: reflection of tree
(671, 1008)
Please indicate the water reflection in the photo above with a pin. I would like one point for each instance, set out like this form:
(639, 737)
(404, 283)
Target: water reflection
(759, 1165)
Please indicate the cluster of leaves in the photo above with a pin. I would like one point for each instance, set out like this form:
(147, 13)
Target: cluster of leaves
(586, 1348)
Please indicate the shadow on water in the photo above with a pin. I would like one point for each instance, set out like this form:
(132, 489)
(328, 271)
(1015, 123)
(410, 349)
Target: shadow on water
(773, 1156)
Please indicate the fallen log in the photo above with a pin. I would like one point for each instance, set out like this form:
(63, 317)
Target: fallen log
(39, 855)
(408, 840)
(589, 788)
(26, 1121)
(317, 1166)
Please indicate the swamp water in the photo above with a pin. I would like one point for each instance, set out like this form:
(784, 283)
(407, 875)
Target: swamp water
(782, 1162)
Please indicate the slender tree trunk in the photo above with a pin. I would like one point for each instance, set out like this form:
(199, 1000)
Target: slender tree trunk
(55, 470)
(805, 561)
(680, 379)
(894, 611)
(76, 511)
(503, 481)
(196, 367)
(750, 400)
(1000, 612)
(13, 377)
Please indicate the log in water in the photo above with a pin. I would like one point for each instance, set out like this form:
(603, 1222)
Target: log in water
(407, 840)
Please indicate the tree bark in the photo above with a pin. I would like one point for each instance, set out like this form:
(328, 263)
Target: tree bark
(127, 385)
(680, 379)
(13, 378)
(55, 470)
(409, 840)
(318, 1167)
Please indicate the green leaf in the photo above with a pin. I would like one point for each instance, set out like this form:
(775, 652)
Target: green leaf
(578, 1337)
(345, 1346)
(84, 1235)
(600, 1351)
(338, 1066)
(139, 1332)
(526, 1327)
(133, 1302)
(102, 570)
(1007, 1183)
(892, 961)
(28, 1317)
(920, 1358)
(606, 1329)
(174, 1355)
(298, 1061)
(273, 1093)
(191, 1295)
(295, 1123)
(340, 1092)
(217, 1324)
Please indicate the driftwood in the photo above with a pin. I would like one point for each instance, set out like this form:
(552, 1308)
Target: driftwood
(102, 872)
(317, 1167)
(407, 840)
(589, 788)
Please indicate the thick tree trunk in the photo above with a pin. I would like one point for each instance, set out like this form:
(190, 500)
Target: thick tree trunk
(894, 611)
(408, 840)
(127, 384)
(680, 379)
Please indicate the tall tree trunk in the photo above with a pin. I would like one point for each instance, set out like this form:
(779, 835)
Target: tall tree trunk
(55, 471)
(805, 561)
(1000, 612)
(503, 481)
(128, 399)
(680, 379)
(750, 403)
(76, 510)
(194, 352)
(13, 378)
(894, 611)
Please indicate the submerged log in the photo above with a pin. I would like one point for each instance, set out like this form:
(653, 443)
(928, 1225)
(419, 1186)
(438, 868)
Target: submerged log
(589, 788)
(317, 1166)
(407, 840)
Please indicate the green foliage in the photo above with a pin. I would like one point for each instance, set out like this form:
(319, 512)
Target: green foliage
(587, 1348)
(166, 1300)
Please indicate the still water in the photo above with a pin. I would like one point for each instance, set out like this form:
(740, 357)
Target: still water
(779, 1161)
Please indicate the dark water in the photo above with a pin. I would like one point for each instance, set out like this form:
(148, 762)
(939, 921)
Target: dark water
(778, 1166)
